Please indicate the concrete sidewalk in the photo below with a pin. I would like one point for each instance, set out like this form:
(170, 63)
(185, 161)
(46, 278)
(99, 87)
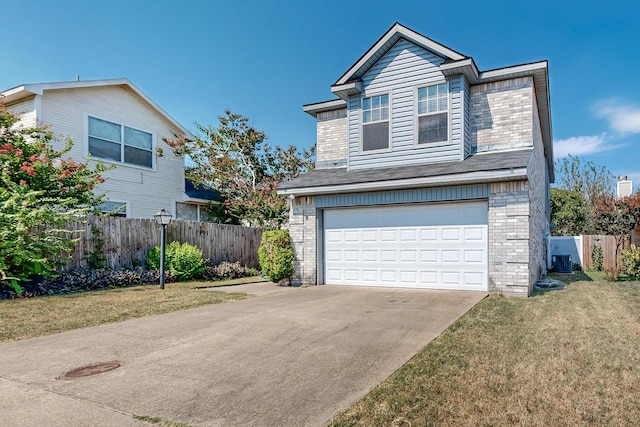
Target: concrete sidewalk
(292, 357)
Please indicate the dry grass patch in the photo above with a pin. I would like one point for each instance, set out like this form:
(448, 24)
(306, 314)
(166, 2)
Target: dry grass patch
(33, 317)
(562, 358)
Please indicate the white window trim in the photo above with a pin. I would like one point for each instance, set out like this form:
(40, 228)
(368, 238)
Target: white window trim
(361, 122)
(124, 202)
(416, 116)
(122, 125)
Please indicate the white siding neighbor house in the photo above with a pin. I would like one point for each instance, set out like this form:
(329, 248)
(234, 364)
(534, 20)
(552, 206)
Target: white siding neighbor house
(114, 121)
(430, 173)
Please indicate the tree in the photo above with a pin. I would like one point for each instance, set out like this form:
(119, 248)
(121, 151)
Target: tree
(616, 218)
(234, 159)
(568, 212)
(40, 191)
(592, 180)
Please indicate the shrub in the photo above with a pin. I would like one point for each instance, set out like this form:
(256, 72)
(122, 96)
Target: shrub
(85, 279)
(596, 257)
(276, 255)
(631, 262)
(184, 261)
(226, 271)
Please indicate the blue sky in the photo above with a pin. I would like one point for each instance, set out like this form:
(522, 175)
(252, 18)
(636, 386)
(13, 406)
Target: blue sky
(265, 59)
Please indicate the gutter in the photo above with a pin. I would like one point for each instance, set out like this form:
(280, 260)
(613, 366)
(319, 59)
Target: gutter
(463, 178)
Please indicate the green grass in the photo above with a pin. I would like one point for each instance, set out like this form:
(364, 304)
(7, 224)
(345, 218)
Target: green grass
(561, 358)
(33, 317)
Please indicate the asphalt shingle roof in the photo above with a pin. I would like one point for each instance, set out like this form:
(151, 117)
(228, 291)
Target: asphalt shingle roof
(477, 163)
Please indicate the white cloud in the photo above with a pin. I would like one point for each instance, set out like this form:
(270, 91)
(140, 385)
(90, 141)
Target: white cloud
(581, 145)
(623, 118)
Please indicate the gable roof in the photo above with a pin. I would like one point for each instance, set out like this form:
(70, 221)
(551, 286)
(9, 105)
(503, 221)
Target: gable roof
(26, 90)
(385, 43)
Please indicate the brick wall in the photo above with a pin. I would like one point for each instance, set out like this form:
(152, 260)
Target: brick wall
(331, 144)
(509, 238)
(538, 202)
(303, 231)
(501, 115)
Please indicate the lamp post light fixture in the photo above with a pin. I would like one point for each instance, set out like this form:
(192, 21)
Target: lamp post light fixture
(163, 218)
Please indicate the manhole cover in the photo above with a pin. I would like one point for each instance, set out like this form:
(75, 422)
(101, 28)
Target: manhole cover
(87, 371)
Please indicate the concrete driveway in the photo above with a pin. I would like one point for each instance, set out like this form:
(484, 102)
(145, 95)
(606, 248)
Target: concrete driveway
(288, 357)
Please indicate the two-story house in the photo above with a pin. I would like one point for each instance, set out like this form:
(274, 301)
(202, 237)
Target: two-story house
(429, 174)
(116, 122)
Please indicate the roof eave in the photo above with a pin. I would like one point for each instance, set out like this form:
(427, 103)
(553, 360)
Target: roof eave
(26, 90)
(320, 107)
(384, 43)
(512, 174)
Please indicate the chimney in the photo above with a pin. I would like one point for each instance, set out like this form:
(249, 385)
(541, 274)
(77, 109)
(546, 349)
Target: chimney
(624, 187)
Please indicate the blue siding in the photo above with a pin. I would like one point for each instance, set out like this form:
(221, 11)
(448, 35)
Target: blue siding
(436, 194)
(399, 72)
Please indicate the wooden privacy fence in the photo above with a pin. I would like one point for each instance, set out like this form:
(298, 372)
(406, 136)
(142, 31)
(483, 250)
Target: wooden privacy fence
(608, 245)
(126, 241)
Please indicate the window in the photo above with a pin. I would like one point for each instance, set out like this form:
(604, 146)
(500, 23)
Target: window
(123, 144)
(113, 208)
(375, 123)
(193, 212)
(433, 113)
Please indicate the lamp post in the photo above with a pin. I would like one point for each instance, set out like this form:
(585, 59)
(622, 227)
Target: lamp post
(163, 218)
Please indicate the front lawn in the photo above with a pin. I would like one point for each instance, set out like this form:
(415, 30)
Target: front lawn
(561, 358)
(33, 317)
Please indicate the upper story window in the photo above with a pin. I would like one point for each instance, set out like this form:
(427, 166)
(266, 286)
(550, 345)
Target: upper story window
(375, 123)
(433, 113)
(112, 141)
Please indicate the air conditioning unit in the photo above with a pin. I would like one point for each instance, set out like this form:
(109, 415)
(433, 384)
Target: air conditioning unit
(562, 263)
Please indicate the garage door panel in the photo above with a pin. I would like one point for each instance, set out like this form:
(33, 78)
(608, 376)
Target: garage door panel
(408, 255)
(474, 279)
(474, 256)
(370, 256)
(351, 255)
(420, 246)
(388, 276)
(408, 277)
(429, 256)
(451, 256)
(370, 235)
(409, 235)
(474, 234)
(388, 256)
(429, 277)
(429, 234)
(388, 235)
(451, 277)
(451, 234)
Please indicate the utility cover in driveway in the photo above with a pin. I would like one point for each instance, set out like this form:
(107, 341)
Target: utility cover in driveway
(435, 246)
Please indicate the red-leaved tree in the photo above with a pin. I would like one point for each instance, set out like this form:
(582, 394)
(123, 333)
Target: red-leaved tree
(40, 191)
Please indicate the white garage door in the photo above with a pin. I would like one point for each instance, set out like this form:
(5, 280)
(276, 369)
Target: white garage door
(436, 246)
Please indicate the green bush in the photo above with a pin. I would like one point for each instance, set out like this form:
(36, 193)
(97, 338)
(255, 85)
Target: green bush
(276, 255)
(184, 261)
(631, 262)
(596, 258)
